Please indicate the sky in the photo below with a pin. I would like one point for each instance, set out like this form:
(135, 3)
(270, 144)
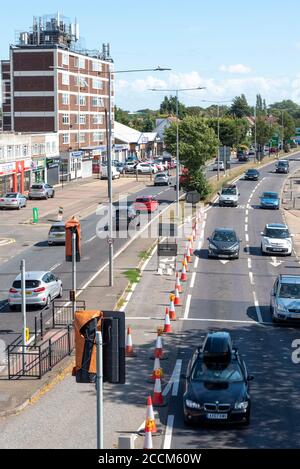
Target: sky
(229, 47)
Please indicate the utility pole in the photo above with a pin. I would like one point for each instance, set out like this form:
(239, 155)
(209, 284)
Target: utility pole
(177, 157)
(255, 135)
(218, 123)
(74, 272)
(23, 290)
(110, 196)
(99, 387)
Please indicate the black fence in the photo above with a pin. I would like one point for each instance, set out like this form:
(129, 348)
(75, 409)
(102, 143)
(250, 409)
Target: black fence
(33, 361)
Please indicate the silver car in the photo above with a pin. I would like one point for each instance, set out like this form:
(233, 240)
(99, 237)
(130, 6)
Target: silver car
(41, 191)
(13, 200)
(161, 179)
(57, 233)
(285, 298)
(41, 289)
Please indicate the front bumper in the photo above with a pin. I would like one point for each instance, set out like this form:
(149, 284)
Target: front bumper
(270, 206)
(223, 254)
(228, 203)
(286, 316)
(201, 416)
(277, 250)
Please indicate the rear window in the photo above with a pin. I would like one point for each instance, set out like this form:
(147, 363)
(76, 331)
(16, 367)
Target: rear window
(28, 283)
(11, 196)
(143, 200)
(37, 186)
(58, 229)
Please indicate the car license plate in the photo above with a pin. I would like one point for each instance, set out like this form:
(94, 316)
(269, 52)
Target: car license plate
(58, 235)
(217, 416)
(29, 293)
(277, 249)
(223, 256)
(295, 316)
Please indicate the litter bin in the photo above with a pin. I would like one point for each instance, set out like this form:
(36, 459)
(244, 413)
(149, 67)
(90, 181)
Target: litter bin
(35, 215)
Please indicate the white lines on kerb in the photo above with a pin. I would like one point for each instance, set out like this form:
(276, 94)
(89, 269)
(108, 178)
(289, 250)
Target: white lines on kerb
(168, 434)
(256, 304)
(193, 280)
(187, 306)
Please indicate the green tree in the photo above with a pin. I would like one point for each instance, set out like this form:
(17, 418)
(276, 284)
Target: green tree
(288, 127)
(122, 116)
(197, 144)
(233, 132)
(240, 107)
(264, 131)
(168, 106)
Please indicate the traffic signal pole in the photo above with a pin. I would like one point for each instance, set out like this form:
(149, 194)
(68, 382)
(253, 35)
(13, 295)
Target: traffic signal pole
(23, 290)
(99, 388)
(74, 272)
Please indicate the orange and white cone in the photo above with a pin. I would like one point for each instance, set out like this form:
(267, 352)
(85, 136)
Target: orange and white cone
(177, 283)
(167, 327)
(185, 263)
(148, 444)
(176, 299)
(157, 370)
(129, 347)
(183, 277)
(158, 352)
(150, 419)
(191, 248)
(194, 234)
(157, 394)
(187, 255)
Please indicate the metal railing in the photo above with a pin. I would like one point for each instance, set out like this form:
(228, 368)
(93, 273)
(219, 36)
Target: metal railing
(62, 313)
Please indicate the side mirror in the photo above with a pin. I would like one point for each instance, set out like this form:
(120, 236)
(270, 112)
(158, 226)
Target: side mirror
(183, 376)
(241, 240)
(292, 235)
(250, 378)
(262, 233)
(208, 239)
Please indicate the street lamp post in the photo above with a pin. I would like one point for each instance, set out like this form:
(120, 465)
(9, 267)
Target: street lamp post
(177, 90)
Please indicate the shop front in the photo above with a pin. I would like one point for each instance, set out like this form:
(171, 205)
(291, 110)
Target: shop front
(7, 172)
(53, 170)
(38, 167)
(87, 164)
(15, 176)
(75, 164)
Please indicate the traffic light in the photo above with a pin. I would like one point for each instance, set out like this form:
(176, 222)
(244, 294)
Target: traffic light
(73, 226)
(112, 326)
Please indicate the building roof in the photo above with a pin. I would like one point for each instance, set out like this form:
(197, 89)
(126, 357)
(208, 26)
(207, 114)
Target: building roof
(128, 135)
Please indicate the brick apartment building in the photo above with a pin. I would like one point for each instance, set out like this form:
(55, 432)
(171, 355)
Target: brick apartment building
(50, 84)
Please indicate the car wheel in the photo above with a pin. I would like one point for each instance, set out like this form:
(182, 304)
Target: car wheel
(60, 292)
(52, 196)
(247, 420)
(271, 309)
(48, 302)
(46, 196)
(12, 307)
(50, 243)
(19, 207)
(262, 251)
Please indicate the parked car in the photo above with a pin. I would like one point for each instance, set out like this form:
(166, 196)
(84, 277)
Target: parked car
(251, 153)
(130, 166)
(224, 243)
(41, 191)
(285, 298)
(161, 179)
(251, 174)
(229, 195)
(146, 203)
(125, 218)
(218, 164)
(282, 166)
(115, 174)
(276, 239)
(41, 288)
(57, 233)
(242, 155)
(13, 200)
(120, 166)
(270, 200)
(146, 168)
(217, 384)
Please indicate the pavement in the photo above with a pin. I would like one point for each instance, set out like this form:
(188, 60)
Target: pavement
(232, 295)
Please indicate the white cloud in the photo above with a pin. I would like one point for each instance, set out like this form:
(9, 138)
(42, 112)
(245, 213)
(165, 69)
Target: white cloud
(135, 94)
(236, 68)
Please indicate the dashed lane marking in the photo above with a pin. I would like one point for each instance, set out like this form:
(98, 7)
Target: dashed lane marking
(237, 321)
(257, 308)
(168, 434)
(193, 280)
(187, 306)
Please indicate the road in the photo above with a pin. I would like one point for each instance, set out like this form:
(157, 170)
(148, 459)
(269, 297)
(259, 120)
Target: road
(234, 296)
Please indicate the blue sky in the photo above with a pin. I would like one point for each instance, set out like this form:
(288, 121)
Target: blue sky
(229, 46)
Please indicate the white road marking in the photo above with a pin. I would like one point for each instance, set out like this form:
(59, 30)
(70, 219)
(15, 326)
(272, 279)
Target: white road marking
(275, 262)
(249, 263)
(193, 280)
(251, 278)
(200, 243)
(246, 220)
(248, 206)
(223, 262)
(221, 320)
(247, 238)
(174, 380)
(196, 262)
(187, 306)
(256, 304)
(54, 267)
(90, 239)
(246, 228)
(247, 211)
(168, 434)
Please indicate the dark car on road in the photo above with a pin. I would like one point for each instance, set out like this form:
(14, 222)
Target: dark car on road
(217, 383)
(282, 166)
(224, 243)
(242, 155)
(251, 175)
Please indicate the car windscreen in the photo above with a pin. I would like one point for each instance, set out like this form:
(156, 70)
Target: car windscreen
(160, 175)
(225, 236)
(28, 284)
(229, 190)
(251, 171)
(143, 200)
(216, 373)
(277, 233)
(11, 195)
(270, 195)
(282, 163)
(37, 186)
(290, 290)
(58, 229)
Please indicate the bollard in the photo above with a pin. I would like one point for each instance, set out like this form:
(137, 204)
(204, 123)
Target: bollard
(35, 215)
(126, 441)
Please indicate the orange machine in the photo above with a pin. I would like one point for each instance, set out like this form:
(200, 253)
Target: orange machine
(73, 226)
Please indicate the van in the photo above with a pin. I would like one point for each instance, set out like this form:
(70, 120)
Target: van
(229, 196)
(282, 166)
(115, 174)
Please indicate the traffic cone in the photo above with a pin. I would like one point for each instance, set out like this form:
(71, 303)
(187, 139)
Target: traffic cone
(129, 346)
(176, 300)
(157, 370)
(158, 352)
(157, 394)
(187, 255)
(177, 283)
(148, 436)
(150, 419)
(167, 327)
(194, 234)
(185, 262)
(191, 250)
(183, 277)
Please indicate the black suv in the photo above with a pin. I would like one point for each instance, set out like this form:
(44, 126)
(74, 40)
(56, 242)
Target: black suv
(217, 383)
(282, 166)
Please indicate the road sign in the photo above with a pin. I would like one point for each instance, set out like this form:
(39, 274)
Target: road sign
(72, 295)
(35, 215)
(60, 213)
(168, 229)
(167, 249)
(193, 197)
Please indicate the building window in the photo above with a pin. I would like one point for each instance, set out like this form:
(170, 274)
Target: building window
(82, 119)
(76, 138)
(65, 99)
(82, 100)
(17, 151)
(65, 59)
(9, 152)
(97, 84)
(81, 62)
(65, 118)
(97, 119)
(53, 147)
(76, 62)
(96, 66)
(65, 79)
(66, 138)
(98, 137)
(97, 102)
(82, 137)
(35, 149)
(25, 150)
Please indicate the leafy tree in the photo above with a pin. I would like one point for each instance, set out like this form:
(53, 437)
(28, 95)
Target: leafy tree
(240, 107)
(233, 132)
(288, 127)
(168, 106)
(122, 116)
(264, 131)
(197, 144)
(148, 123)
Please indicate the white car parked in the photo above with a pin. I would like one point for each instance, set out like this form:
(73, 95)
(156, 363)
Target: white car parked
(219, 164)
(276, 239)
(146, 168)
(13, 200)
